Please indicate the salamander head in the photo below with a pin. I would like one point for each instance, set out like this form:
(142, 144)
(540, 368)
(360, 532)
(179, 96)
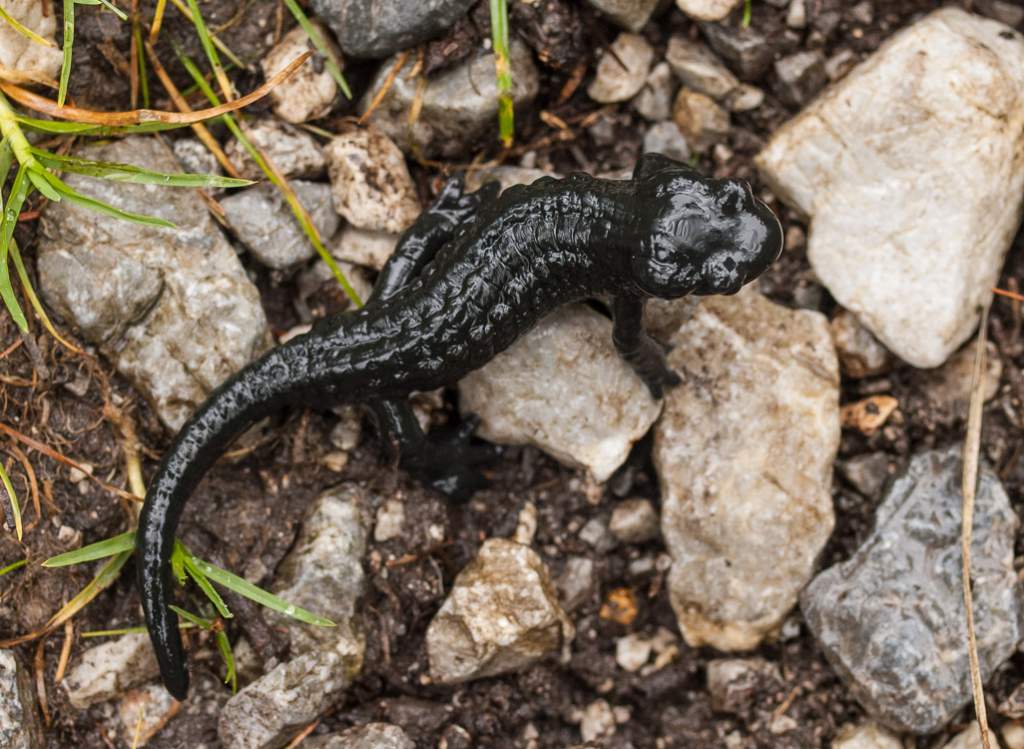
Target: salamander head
(701, 235)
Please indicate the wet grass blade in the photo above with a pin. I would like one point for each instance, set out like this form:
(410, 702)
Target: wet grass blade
(69, 40)
(93, 204)
(57, 127)
(11, 211)
(748, 10)
(192, 568)
(210, 51)
(26, 286)
(106, 4)
(191, 618)
(108, 547)
(12, 567)
(15, 507)
(131, 173)
(330, 61)
(224, 646)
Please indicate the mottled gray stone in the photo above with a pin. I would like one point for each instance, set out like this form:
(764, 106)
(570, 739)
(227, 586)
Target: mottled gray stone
(747, 50)
(501, 615)
(21, 57)
(363, 246)
(20, 726)
(744, 528)
(622, 69)
(104, 671)
(531, 394)
(293, 152)
(698, 68)
(800, 76)
(734, 683)
(372, 28)
(459, 106)
(654, 102)
(665, 138)
(264, 223)
(634, 521)
(370, 179)
(369, 736)
(867, 735)
(860, 353)
(309, 93)
(323, 573)
(195, 157)
(172, 308)
(891, 618)
(630, 14)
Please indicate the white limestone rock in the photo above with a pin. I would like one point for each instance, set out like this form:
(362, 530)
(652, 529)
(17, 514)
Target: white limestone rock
(869, 735)
(744, 527)
(309, 93)
(104, 671)
(563, 388)
(909, 168)
(294, 152)
(501, 615)
(21, 58)
(707, 10)
(622, 69)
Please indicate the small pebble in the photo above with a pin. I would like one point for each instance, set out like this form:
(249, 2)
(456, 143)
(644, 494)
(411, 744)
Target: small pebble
(634, 521)
(622, 70)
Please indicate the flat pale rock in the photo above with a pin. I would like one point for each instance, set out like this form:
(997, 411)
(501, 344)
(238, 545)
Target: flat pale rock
(630, 14)
(867, 735)
(622, 69)
(909, 169)
(707, 10)
(564, 389)
(172, 308)
(363, 246)
(294, 152)
(743, 527)
(20, 727)
(501, 615)
(104, 671)
(369, 736)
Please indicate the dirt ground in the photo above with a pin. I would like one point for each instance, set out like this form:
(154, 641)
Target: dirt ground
(246, 514)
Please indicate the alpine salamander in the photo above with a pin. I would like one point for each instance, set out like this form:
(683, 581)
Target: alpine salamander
(471, 275)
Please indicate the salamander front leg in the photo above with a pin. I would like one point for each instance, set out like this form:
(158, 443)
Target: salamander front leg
(638, 349)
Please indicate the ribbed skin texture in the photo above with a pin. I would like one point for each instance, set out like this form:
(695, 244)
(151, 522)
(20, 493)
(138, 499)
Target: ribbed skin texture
(666, 233)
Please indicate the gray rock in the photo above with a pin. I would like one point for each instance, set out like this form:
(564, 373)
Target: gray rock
(629, 14)
(868, 735)
(142, 711)
(1004, 11)
(597, 722)
(323, 573)
(622, 69)
(458, 106)
(744, 97)
(839, 64)
(747, 51)
(506, 176)
(22, 55)
(860, 353)
(576, 583)
(969, 738)
(294, 152)
(700, 119)
(309, 93)
(734, 683)
(171, 308)
(707, 10)
(744, 528)
(698, 68)
(369, 736)
(800, 77)
(362, 246)
(796, 16)
(634, 521)
(371, 182)
(863, 12)
(664, 137)
(891, 619)
(530, 394)
(654, 102)
(195, 157)
(942, 244)
(20, 727)
(947, 390)
(867, 473)
(264, 223)
(104, 671)
(369, 28)
(501, 615)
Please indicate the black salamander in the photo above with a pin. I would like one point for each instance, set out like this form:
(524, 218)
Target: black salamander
(470, 276)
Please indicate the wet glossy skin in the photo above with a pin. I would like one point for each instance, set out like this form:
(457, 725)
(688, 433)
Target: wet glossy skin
(473, 274)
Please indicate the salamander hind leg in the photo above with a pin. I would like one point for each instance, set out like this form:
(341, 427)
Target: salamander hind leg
(638, 349)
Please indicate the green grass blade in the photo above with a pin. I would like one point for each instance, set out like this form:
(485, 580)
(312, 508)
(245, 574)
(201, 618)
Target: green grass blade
(192, 568)
(24, 30)
(108, 5)
(59, 127)
(26, 286)
(243, 587)
(224, 646)
(748, 11)
(40, 183)
(107, 575)
(130, 173)
(15, 507)
(192, 618)
(108, 547)
(143, 76)
(499, 39)
(11, 211)
(98, 205)
(330, 61)
(6, 160)
(69, 40)
(13, 566)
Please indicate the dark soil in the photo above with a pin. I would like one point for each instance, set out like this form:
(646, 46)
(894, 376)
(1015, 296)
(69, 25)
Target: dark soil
(246, 514)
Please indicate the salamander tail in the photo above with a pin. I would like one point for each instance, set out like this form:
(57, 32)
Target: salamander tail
(256, 391)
